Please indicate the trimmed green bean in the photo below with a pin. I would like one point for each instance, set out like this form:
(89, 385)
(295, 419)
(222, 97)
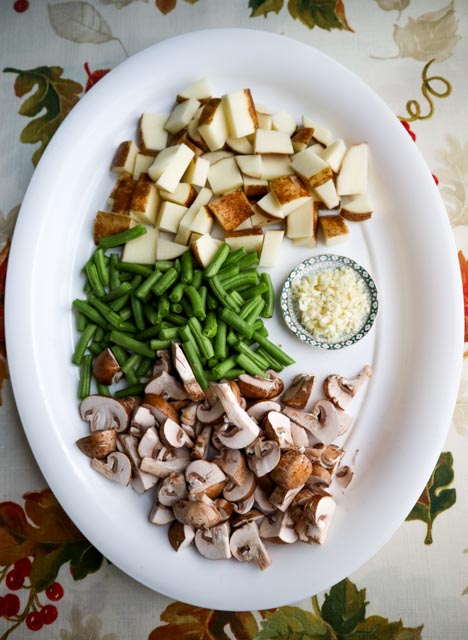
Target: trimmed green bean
(186, 307)
(235, 257)
(138, 269)
(187, 336)
(249, 364)
(197, 278)
(222, 295)
(108, 314)
(196, 302)
(231, 338)
(131, 363)
(220, 347)
(176, 308)
(251, 318)
(126, 314)
(272, 362)
(250, 260)
(233, 374)
(203, 291)
(217, 261)
(120, 354)
(269, 296)
(102, 389)
(114, 277)
(186, 269)
(85, 376)
(273, 349)
(195, 363)
(164, 306)
(137, 309)
(248, 306)
(160, 344)
(82, 343)
(177, 292)
(167, 280)
(151, 314)
(128, 327)
(259, 289)
(132, 390)
(114, 294)
(164, 265)
(87, 310)
(228, 272)
(143, 367)
(240, 280)
(144, 290)
(256, 357)
(96, 348)
(99, 335)
(170, 333)
(147, 334)
(94, 280)
(128, 342)
(100, 262)
(81, 321)
(121, 238)
(204, 344)
(238, 299)
(175, 319)
(223, 367)
(211, 303)
(120, 303)
(211, 325)
(236, 323)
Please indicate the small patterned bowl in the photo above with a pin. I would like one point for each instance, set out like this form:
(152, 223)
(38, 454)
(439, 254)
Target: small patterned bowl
(291, 313)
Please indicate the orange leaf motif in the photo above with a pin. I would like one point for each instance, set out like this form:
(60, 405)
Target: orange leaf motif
(464, 275)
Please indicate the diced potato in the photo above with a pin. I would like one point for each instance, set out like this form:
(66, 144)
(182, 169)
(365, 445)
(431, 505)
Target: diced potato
(192, 129)
(215, 156)
(301, 138)
(124, 157)
(302, 222)
(247, 224)
(326, 193)
(271, 248)
(109, 224)
(212, 125)
(145, 200)
(170, 216)
(200, 90)
(311, 168)
(290, 193)
(274, 166)
(358, 208)
(254, 187)
(269, 141)
(334, 154)
(142, 164)
(121, 195)
(269, 204)
(161, 162)
(282, 121)
(265, 121)
(240, 145)
(152, 137)
(184, 194)
(352, 179)
(334, 229)
(240, 113)
(203, 222)
(181, 115)
(193, 237)
(224, 176)
(204, 249)
(184, 230)
(197, 172)
(321, 134)
(231, 209)
(308, 242)
(250, 165)
(176, 168)
(143, 249)
(251, 239)
(168, 250)
(261, 219)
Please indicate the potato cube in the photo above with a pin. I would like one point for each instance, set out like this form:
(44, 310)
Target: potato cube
(109, 224)
(152, 137)
(145, 200)
(121, 195)
(334, 229)
(224, 176)
(170, 215)
(231, 209)
(124, 157)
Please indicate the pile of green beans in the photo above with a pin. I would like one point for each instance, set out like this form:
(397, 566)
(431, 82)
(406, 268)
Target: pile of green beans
(216, 314)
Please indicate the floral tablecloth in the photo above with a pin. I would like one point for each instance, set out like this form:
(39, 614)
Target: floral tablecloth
(53, 583)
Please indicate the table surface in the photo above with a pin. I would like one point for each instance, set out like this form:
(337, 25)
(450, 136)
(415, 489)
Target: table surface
(53, 583)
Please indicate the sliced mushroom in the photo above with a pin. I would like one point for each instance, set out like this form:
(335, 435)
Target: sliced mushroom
(160, 514)
(331, 456)
(195, 392)
(277, 427)
(292, 471)
(298, 394)
(344, 475)
(315, 453)
(233, 463)
(130, 403)
(204, 477)
(244, 506)
(173, 435)
(246, 545)
(163, 468)
(342, 390)
(238, 493)
(278, 528)
(197, 514)
(160, 408)
(346, 421)
(163, 362)
(262, 500)
(180, 535)
(320, 477)
(106, 369)
(141, 481)
(323, 422)
(172, 489)
(142, 420)
(104, 413)
(98, 444)
(117, 467)
(259, 409)
(202, 442)
(213, 543)
(149, 443)
(166, 386)
(307, 421)
(210, 414)
(245, 430)
(282, 498)
(299, 436)
(260, 388)
(253, 515)
(263, 456)
(318, 514)
(225, 508)
(188, 415)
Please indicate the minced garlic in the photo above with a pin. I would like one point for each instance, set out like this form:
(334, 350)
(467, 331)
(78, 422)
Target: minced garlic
(333, 303)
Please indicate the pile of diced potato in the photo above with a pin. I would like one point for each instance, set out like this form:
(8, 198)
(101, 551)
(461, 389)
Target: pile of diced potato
(228, 169)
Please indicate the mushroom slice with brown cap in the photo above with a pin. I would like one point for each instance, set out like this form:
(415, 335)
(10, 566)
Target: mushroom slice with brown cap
(142, 420)
(149, 444)
(323, 422)
(342, 390)
(253, 515)
(166, 386)
(197, 514)
(172, 489)
(202, 442)
(320, 478)
(204, 477)
(117, 467)
(163, 468)
(210, 414)
(224, 507)
(318, 514)
(173, 435)
(278, 528)
(106, 369)
(104, 413)
(299, 436)
(246, 545)
(130, 403)
(213, 543)
(160, 408)
(259, 409)
(277, 427)
(263, 456)
(160, 514)
(244, 506)
(307, 421)
(344, 475)
(141, 481)
(298, 394)
(180, 535)
(163, 362)
(188, 414)
(98, 444)
(260, 388)
(292, 471)
(245, 430)
(331, 455)
(262, 500)
(282, 498)
(195, 392)
(232, 462)
(238, 493)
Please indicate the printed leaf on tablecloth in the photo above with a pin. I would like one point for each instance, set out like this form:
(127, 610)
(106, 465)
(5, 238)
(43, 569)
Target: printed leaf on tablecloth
(435, 498)
(264, 7)
(378, 628)
(54, 94)
(453, 176)
(393, 5)
(289, 623)
(431, 36)
(344, 607)
(79, 22)
(186, 621)
(326, 14)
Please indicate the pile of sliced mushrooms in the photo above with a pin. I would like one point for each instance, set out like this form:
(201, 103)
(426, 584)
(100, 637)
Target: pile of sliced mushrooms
(232, 467)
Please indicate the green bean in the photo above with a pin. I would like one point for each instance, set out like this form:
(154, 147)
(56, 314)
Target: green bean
(217, 261)
(81, 321)
(82, 343)
(224, 298)
(136, 281)
(175, 319)
(143, 367)
(204, 344)
(238, 299)
(177, 265)
(196, 302)
(99, 335)
(187, 336)
(114, 294)
(223, 367)
(211, 325)
(220, 348)
(132, 390)
(186, 307)
(254, 313)
(186, 271)
(87, 310)
(147, 334)
(171, 333)
(164, 265)
(151, 315)
(87, 288)
(259, 289)
(138, 269)
(131, 363)
(203, 291)
(94, 280)
(114, 278)
(160, 344)
(269, 296)
(96, 348)
(248, 306)
(164, 306)
(176, 308)
(103, 390)
(138, 316)
(272, 362)
(250, 260)
(241, 279)
(236, 323)
(177, 292)
(85, 376)
(145, 287)
(195, 363)
(126, 314)
(128, 327)
(235, 257)
(233, 270)
(121, 238)
(128, 342)
(256, 357)
(101, 267)
(258, 324)
(231, 338)
(167, 280)
(120, 303)
(109, 314)
(211, 303)
(249, 364)
(124, 276)
(212, 362)
(197, 278)
(119, 354)
(233, 374)
(273, 349)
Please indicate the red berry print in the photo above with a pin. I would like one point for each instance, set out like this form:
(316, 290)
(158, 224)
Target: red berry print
(54, 592)
(93, 76)
(14, 580)
(11, 605)
(408, 129)
(436, 179)
(20, 6)
(23, 567)
(34, 620)
(2, 606)
(49, 614)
